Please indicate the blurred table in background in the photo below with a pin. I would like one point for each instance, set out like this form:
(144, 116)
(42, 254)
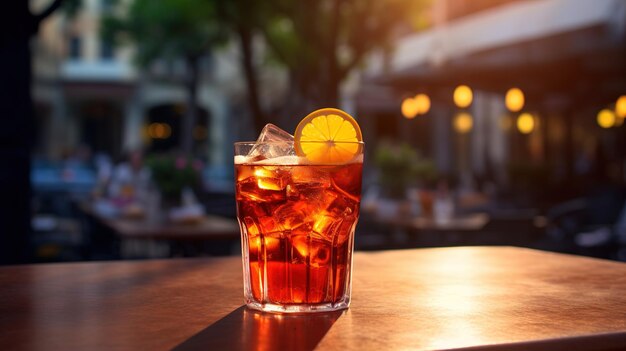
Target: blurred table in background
(469, 222)
(208, 227)
(205, 227)
(444, 298)
(397, 230)
(220, 233)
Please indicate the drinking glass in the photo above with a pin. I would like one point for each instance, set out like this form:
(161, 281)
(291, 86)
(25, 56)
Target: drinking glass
(297, 223)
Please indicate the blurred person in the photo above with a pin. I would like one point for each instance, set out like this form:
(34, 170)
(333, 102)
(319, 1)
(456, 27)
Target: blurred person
(129, 179)
(104, 173)
(443, 203)
(75, 160)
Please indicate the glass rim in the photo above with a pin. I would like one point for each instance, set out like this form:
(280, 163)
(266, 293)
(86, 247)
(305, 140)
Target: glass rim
(244, 143)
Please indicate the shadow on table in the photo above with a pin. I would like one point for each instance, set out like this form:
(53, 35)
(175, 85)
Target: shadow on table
(245, 329)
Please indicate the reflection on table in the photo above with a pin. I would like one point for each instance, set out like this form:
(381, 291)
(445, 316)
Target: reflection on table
(443, 298)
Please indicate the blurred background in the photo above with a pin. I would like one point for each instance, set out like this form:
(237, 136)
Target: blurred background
(486, 122)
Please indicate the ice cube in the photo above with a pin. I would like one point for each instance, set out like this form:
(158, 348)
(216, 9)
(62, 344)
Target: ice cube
(317, 249)
(310, 177)
(251, 226)
(262, 230)
(273, 142)
(264, 184)
(261, 189)
(346, 229)
(292, 192)
(290, 216)
(268, 225)
(327, 226)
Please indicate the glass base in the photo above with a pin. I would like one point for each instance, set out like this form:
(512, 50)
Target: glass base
(299, 308)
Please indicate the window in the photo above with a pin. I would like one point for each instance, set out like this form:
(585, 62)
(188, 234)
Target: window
(106, 50)
(75, 47)
(107, 5)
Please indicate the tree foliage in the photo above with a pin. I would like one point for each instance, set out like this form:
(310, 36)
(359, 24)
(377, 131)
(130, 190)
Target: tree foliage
(169, 29)
(166, 28)
(319, 42)
(322, 41)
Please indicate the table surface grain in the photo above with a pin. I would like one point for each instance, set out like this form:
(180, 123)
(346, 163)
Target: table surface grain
(444, 298)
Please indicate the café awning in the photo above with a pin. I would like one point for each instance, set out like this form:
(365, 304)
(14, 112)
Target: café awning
(543, 46)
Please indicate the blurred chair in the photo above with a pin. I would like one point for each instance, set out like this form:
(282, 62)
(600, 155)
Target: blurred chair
(517, 227)
(589, 226)
(56, 239)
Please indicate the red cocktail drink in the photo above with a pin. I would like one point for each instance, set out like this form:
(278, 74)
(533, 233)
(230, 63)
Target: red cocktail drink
(297, 223)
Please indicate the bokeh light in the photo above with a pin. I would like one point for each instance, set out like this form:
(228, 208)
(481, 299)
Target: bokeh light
(463, 96)
(525, 123)
(620, 107)
(423, 104)
(606, 118)
(159, 130)
(514, 100)
(463, 122)
(409, 108)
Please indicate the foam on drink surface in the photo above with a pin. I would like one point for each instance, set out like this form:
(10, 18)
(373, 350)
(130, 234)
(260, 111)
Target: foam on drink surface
(283, 160)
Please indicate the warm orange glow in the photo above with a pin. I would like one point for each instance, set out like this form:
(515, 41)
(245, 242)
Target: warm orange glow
(514, 99)
(463, 122)
(409, 108)
(620, 107)
(506, 122)
(525, 123)
(145, 133)
(467, 302)
(159, 130)
(199, 133)
(463, 96)
(606, 118)
(423, 104)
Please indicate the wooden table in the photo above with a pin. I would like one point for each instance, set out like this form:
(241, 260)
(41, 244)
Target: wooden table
(444, 298)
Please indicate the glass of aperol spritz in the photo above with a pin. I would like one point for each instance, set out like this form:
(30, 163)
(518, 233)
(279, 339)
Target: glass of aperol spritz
(298, 204)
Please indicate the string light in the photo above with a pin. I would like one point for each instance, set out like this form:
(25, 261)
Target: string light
(463, 122)
(463, 96)
(514, 100)
(423, 104)
(620, 107)
(159, 130)
(409, 108)
(606, 118)
(525, 123)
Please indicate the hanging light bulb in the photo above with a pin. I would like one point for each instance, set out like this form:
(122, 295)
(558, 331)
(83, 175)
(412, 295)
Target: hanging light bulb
(606, 118)
(409, 108)
(514, 100)
(525, 123)
(423, 104)
(463, 122)
(463, 96)
(620, 107)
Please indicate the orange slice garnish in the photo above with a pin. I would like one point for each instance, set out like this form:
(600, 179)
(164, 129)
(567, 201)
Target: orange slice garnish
(328, 136)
